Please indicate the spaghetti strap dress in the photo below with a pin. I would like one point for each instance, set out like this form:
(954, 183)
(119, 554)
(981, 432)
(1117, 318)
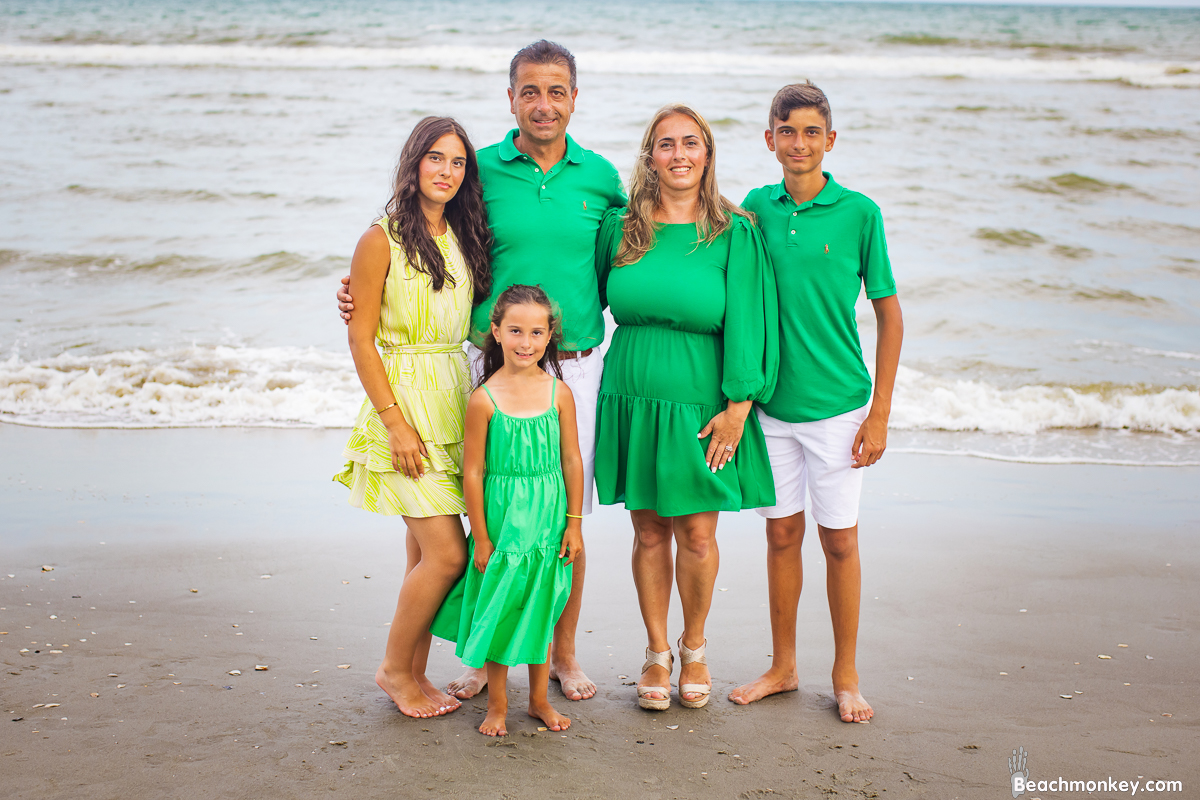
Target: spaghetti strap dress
(420, 336)
(507, 614)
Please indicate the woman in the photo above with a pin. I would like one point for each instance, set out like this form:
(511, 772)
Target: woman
(691, 289)
(415, 273)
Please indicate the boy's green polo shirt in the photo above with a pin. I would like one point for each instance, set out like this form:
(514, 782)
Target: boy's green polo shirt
(823, 251)
(544, 226)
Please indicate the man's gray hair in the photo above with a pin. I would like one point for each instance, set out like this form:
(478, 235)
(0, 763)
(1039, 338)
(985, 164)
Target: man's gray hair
(541, 52)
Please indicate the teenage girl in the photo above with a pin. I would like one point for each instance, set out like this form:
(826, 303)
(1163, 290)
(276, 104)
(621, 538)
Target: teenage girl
(523, 482)
(415, 272)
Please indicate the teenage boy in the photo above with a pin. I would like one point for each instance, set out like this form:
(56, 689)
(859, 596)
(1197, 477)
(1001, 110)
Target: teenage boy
(823, 424)
(545, 196)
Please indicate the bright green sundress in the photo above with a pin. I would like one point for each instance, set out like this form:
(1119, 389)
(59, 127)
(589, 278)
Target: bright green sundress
(507, 614)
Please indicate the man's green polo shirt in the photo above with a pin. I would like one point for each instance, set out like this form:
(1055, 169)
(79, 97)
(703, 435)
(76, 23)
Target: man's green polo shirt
(823, 251)
(544, 226)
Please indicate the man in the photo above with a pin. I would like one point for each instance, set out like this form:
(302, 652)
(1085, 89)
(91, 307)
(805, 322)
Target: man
(545, 196)
(823, 424)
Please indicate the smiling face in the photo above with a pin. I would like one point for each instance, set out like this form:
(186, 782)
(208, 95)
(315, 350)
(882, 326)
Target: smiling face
(801, 141)
(678, 153)
(441, 170)
(542, 101)
(523, 333)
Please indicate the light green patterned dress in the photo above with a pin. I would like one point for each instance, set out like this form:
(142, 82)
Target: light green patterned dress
(420, 337)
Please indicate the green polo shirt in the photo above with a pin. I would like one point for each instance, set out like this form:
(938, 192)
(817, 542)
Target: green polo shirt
(823, 251)
(544, 226)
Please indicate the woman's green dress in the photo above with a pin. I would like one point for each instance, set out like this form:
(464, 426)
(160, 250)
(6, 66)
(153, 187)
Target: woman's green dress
(508, 613)
(697, 326)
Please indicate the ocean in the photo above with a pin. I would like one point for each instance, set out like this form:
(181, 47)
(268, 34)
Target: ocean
(183, 184)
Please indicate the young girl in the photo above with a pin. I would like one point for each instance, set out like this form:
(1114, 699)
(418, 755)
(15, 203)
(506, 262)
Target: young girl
(415, 272)
(523, 482)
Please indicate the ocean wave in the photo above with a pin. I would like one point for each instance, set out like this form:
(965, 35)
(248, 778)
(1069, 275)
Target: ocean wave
(57, 266)
(927, 402)
(185, 387)
(496, 60)
(291, 386)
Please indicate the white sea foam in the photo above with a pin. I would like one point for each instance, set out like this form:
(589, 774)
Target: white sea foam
(926, 402)
(496, 60)
(290, 386)
(185, 387)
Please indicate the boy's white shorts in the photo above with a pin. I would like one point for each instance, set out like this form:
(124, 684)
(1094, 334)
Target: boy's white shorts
(815, 456)
(582, 377)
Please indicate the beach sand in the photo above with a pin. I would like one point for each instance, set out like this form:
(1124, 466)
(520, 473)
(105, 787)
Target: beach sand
(990, 590)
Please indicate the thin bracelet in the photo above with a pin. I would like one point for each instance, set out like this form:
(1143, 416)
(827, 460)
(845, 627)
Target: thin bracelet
(385, 408)
(575, 516)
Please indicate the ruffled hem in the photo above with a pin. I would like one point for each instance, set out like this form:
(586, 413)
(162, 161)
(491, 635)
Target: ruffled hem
(391, 493)
(507, 614)
(376, 456)
(648, 457)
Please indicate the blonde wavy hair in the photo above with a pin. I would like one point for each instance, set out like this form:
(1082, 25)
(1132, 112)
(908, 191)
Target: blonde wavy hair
(639, 226)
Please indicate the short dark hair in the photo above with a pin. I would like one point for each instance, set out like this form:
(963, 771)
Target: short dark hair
(541, 52)
(800, 95)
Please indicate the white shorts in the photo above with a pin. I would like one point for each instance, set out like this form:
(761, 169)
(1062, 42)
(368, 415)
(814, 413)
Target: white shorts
(815, 456)
(582, 377)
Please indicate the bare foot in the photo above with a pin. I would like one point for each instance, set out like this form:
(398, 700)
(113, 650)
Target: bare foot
(852, 707)
(406, 694)
(469, 684)
(445, 702)
(770, 682)
(658, 680)
(546, 713)
(496, 722)
(575, 685)
(694, 672)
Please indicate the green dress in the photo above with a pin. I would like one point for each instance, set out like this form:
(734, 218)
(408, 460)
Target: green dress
(507, 614)
(697, 325)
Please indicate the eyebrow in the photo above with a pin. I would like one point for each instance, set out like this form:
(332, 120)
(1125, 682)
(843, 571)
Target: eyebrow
(535, 87)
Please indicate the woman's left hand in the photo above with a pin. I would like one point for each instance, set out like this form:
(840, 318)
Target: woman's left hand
(726, 429)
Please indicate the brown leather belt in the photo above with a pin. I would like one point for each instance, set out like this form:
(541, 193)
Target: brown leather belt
(570, 355)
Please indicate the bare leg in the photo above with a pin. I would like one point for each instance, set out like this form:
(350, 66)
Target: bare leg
(443, 554)
(539, 700)
(844, 581)
(652, 575)
(785, 578)
(563, 666)
(421, 655)
(496, 723)
(696, 563)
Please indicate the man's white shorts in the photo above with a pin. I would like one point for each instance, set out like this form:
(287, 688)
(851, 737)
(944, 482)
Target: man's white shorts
(582, 376)
(815, 456)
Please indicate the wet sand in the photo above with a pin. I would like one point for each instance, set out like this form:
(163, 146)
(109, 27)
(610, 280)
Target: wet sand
(971, 569)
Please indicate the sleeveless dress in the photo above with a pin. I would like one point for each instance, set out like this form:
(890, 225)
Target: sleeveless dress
(508, 613)
(420, 336)
(696, 325)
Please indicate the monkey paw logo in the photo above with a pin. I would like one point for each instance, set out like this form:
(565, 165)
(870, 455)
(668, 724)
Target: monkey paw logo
(1017, 769)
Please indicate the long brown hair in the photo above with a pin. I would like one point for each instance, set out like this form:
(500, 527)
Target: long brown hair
(520, 295)
(639, 224)
(465, 212)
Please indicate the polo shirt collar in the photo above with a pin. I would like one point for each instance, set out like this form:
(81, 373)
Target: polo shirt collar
(826, 197)
(509, 151)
